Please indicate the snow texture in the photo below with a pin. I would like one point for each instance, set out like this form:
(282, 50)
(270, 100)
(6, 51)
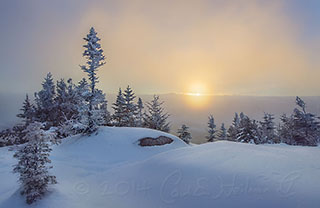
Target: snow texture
(110, 169)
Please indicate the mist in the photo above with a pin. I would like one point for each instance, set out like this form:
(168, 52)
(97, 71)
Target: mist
(181, 112)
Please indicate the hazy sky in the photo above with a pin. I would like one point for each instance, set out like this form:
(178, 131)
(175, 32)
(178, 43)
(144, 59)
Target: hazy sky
(251, 47)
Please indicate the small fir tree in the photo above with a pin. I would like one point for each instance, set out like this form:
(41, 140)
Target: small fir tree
(140, 113)
(155, 117)
(28, 111)
(222, 135)
(130, 108)
(184, 134)
(118, 107)
(33, 158)
(211, 129)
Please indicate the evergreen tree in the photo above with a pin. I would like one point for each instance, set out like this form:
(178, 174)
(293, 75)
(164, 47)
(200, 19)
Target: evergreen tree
(222, 135)
(184, 134)
(28, 111)
(155, 118)
(305, 125)
(268, 134)
(33, 158)
(248, 130)
(45, 102)
(82, 94)
(234, 128)
(99, 111)
(286, 130)
(95, 59)
(130, 109)
(65, 101)
(106, 118)
(211, 129)
(119, 110)
(140, 113)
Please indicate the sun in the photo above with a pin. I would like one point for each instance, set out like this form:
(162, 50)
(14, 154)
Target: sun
(197, 89)
(196, 96)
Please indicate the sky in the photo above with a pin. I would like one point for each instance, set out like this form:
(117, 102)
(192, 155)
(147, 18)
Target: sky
(249, 47)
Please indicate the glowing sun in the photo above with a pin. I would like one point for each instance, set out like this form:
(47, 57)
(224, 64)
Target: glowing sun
(197, 95)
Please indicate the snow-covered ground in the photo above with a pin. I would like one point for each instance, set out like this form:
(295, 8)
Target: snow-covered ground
(112, 170)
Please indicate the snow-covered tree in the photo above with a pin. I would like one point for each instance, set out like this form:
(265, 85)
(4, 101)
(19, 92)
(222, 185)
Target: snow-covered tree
(118, 107)
(184, 134)
(248, 130)
(211, 129)
(306, 126)
(65, 101)
(268, 134)
(155, 117)
(130, 108)
(105, 114)
(234, 128)
(33, 160)
(95, 59)
(45, 102)
(140, 113)
(28, 111)
(99, 111)
(286, 129)
(222, 134)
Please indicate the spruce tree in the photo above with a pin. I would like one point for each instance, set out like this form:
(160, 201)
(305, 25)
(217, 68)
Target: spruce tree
(140, 113)
(286, 130)
(306, 126)
(45, 102)
(268, 134)
(118, 107)
(28, 111)
(248, 130)
(95, 59)
(105, 115)
(155, 117)
(222, 134)
(184, 134)
(33, 158)
(211, 129)
(65, 102)
(130, 108)
(234, 128)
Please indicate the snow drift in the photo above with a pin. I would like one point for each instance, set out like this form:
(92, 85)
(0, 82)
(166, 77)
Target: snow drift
(110, 169)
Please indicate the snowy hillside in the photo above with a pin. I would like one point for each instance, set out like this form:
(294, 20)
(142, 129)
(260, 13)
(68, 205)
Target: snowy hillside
(111, 170)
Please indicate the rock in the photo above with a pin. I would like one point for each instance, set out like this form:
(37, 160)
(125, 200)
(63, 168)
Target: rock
(159, 141)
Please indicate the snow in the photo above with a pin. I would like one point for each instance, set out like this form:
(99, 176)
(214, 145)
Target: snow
(110, 169)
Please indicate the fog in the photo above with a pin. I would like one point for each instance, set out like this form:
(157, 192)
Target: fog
(182, 112)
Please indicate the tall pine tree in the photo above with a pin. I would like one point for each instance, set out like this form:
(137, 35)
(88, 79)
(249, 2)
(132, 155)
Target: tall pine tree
(95, 59)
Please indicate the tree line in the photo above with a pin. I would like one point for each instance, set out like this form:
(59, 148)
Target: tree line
(299, 128)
